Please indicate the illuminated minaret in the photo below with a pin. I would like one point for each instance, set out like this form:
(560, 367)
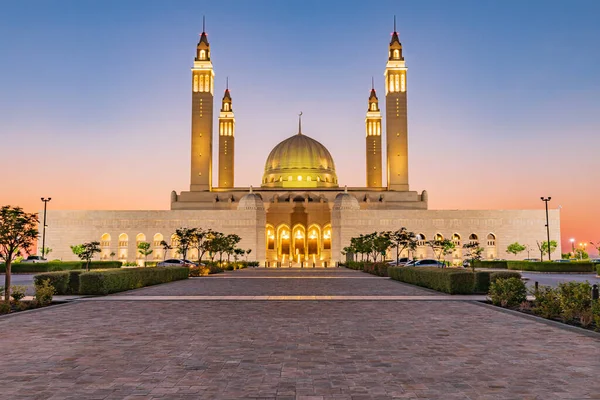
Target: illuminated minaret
(226, 141)
(396, 123)
(202, 116)
(373, 133)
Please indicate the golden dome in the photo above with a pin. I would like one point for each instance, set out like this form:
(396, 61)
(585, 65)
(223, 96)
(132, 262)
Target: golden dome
(299, 162)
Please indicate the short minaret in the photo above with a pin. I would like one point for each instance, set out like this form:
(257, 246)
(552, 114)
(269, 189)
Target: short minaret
(373, 133)
(202, 116)
(396, 116)
(226, 141)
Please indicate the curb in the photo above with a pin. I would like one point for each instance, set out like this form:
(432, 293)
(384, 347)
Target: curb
(549, 322)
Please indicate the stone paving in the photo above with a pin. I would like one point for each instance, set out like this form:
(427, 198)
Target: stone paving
(307, 350)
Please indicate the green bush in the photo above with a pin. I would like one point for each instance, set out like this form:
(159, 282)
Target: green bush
(595, 311)
(509, 292)
(17, 292)
(44, 293)
(64, 282)
(491, 264)
(504, 275)
(575, 300)
(481, 282)
(379, 269)
(551, 266)
(4, 307)
(598, 269)
(446, 280)
(51, 266)
(105, 282)
(547, 302)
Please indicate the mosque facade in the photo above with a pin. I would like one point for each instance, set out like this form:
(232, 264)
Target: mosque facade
(299, 215)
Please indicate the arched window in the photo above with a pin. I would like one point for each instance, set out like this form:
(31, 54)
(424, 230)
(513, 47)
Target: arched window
(473, 238)
(403, 83)
(123, 240)
(456, 239)
(105, 241)
(421, 239)
(373, 107)
(491, 239)
(226, 107)
(391, 83)
(195, 83)
(139, 239)
(203, 54)
(308, 179)
(158, 238)
(439, 237)
(396, 83)
(396, 54)
(207, 83)
(327, 238)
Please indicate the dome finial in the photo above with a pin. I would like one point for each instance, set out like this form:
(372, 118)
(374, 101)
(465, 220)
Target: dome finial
(250, 188)
(300, 123)
(345, 188)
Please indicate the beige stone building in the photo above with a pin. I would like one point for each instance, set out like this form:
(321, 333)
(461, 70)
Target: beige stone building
(300, 215)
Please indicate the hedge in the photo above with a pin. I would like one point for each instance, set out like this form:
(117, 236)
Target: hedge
(491, 264)
(64, 282)
(446, 280)
(503, 275)
(105, 282)
(58, 266)
(598, 269)
(551, 266)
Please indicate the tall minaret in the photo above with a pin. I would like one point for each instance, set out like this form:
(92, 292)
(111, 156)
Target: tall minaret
(202, 116)
(373, 127)
(396, 117)
(226, 141)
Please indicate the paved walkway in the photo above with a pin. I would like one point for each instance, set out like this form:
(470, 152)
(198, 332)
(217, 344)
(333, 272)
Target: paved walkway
(311, 350)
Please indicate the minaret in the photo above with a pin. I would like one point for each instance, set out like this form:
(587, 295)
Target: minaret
(202, 116)
(396, 122)
(373, 133)
(226, 141)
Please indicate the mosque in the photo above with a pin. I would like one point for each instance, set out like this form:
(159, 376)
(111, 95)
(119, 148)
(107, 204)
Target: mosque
(300, 215)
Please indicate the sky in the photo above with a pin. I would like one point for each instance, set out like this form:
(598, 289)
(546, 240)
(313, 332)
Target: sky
(503, 97)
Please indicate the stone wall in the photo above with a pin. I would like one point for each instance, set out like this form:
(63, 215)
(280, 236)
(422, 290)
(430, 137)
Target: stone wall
(508, 226)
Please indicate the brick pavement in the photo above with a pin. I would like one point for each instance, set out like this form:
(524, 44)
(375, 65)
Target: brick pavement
(291, 350)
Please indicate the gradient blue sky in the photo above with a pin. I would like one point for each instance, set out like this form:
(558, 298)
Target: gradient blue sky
(503, 96)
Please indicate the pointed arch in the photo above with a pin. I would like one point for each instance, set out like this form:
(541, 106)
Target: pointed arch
(270, 237)
(195, 86)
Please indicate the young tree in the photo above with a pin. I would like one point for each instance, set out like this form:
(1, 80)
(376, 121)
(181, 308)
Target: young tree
(515, 248)
(581, 254)
(402, 239)
(18, 232)
(145, 250)
(381, 244)
(46, 251)
(198, 241)
(86, 252)
(441, 248)
(230, 244)
(112, 255)
(473, 252)
(596, 245)
(248, 251)
(238, 253)
(544, 247)
(184, 238)
(166, 247)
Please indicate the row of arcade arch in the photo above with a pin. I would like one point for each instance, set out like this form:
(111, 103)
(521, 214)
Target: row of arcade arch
(298, 243)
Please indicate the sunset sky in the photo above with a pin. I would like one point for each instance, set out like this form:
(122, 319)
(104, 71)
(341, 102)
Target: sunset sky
(503, 96)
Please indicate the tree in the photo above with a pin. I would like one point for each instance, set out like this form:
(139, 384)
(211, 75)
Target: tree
(441, 248)
(145, 250)
(474, 252)
(86, 252)
(581, 254)
(237, 253)
(248, 251)
(46, 251)
(18, 232)
(402, 239)
(543, 247)
(380, 246)
(214, 244)
(184, 238)
(515, 248)
(199, 237)
(112, 255)
(166, 247)
(596, 245)
(230, 244)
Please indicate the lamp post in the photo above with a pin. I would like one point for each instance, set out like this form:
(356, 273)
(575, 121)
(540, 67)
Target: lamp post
(546, 200)
(572, 246)
(44, 227)
(583, 246)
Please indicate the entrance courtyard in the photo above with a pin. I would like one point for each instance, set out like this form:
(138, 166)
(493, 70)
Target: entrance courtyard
(161, 343)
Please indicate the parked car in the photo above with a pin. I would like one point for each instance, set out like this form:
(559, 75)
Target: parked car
(427, 262)
(532, 259)
(595, 260)
(401, 261)
(562, 261)
(176, 263)
(34, 260)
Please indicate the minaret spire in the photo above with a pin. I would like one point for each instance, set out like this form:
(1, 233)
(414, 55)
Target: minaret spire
(394, 23)
(226, 140)
(300, 123)
(204, 23)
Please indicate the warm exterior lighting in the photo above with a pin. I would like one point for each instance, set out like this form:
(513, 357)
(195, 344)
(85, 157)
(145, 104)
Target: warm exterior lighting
(285, 235)
(299, 235)
(313, 234)
(327, 234)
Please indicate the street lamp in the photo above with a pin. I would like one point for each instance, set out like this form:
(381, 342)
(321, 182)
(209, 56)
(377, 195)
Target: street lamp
(44, 227)
(546, 200)
(572, 246)
(583, 246)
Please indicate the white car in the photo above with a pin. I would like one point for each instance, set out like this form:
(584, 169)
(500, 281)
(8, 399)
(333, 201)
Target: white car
(428, 262)
(401, 261)
(176, 263)
(34, 260)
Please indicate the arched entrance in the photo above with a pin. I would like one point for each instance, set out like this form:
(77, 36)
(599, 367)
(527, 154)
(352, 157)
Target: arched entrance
(298, 246)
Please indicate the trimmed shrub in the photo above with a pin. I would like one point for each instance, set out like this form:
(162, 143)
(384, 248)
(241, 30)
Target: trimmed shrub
(503, 275)
(4, 307)
(379, 269)
(481, 282)
(441, 279)
(59, 281)
(575, 299)
(113, 281)
(491, 264)
(51, 266)
(551, 266)
(44, 293)
(509, 292)
(598, 269)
